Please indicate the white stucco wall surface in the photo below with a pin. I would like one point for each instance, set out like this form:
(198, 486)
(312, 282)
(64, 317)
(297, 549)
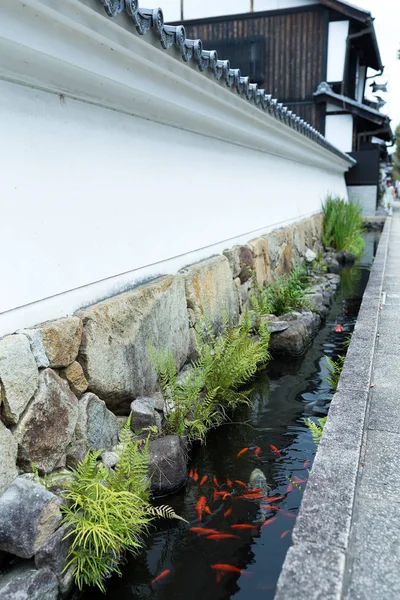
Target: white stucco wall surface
(339, 131)
(337, 35)
(121, 163)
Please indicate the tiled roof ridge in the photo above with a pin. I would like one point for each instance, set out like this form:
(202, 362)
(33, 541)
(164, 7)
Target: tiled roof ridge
(146, 20)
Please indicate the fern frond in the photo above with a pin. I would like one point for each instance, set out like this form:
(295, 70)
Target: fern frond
(165, 512)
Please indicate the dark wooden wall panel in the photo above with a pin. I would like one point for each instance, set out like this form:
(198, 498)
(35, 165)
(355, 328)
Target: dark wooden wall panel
(294, 49)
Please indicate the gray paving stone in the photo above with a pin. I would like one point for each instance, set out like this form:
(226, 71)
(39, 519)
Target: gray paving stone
(380, 477)
(392, 298)
(386, 371)
(312, 572)
(384, 410)
(374, 568)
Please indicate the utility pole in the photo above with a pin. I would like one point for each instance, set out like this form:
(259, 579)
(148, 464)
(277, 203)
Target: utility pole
(182, 9)
(251, 5)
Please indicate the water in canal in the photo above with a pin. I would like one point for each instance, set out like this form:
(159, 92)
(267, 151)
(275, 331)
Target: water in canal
(288, 391)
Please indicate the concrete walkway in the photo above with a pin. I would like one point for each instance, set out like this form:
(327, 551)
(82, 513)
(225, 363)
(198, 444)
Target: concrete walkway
(346, 542)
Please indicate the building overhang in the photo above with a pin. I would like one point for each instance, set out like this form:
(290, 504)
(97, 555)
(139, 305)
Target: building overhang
(374, 119)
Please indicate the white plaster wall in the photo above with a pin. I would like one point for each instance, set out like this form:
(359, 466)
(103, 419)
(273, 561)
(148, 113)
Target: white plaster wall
(365, 195)
(90, 193)
(338, 31)
(339, 131)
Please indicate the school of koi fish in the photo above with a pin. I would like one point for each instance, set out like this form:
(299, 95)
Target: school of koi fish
(228, 492)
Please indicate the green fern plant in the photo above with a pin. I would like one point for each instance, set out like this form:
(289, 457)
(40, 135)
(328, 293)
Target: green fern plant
(214, 383)
(335, 368)
(107, 512)
(316, 428)
(284, 295)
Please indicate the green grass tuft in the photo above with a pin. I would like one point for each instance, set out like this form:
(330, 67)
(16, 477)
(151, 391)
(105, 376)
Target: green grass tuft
(342, 225)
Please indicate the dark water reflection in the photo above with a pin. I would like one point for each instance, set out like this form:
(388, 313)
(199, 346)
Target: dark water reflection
(283, 395)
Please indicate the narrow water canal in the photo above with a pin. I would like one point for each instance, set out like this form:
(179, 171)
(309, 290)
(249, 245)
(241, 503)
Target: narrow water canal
(287, 392)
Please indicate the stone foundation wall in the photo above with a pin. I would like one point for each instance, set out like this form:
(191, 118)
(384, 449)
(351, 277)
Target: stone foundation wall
(63, 383)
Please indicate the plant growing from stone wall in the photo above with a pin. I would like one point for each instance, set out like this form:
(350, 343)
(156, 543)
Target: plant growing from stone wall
(214, 383)
(108, 511)
(342, 225)
(335, 368)
(284, 295)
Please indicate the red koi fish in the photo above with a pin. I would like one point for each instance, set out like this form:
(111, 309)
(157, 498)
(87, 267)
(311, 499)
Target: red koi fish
(289, 487)
(275, 450)
(222, 536)
(200, 506)
(269, 521)
(288, 514)
(257, 451)
(195, 475)
(203, 531)
(298, 480)
(203, 479)
(223, 568)
(215, 495)
(229, 483)
(226, 495)
(207, 510)
(243, 526)
(274, 498)
(218, 577)
(243, 485)
(228, 512)
(215, 482)
(191, 473)
(338, 328)
(161, 575)
(284, 534)
(306, 463)
(243, 450)
(220, 494)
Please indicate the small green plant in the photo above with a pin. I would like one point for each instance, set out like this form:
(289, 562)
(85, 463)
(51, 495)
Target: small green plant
(316, 428)
(284, 295)
(334, 369)
(108, 511)
(342, 225)
(214, 382)
(318, 265)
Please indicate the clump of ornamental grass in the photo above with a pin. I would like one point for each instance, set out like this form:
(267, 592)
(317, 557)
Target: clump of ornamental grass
(342, 225)
(214, 383)
(107, 511)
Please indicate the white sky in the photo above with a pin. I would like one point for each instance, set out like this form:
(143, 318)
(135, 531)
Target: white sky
(387, 27)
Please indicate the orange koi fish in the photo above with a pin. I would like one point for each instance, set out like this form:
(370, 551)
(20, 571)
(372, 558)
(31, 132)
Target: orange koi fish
(222, 536)
(229, 483)
(215, 482)
(243, 485)
(207, 510)
(252, 496)
(223, 568)
(274, 498)
(243, 450)
(228, 512)
(191, 473)
(257, 451)
(338, 328)
(271, 507)
(289, 514)
(200, 506)
(195, 475)
(218, 577)
(284, 534)
(306, 463)
(215, 495)
(275, 450)
(220, 494)
(161, 575)
(269, 521)
(255, 491)
(243, 526)
(203, 479)
(203, 530)
(289, 487)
